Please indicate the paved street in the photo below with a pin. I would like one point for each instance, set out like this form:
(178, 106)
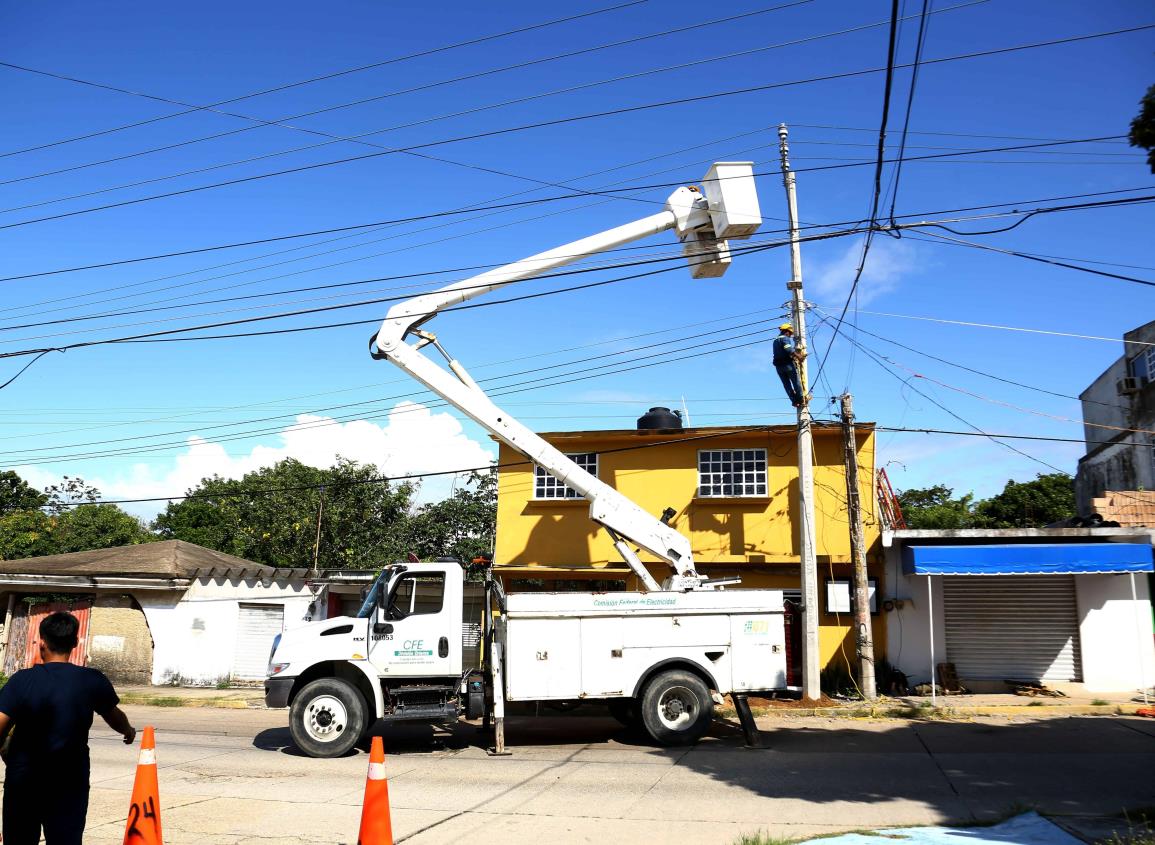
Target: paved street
(231, 776)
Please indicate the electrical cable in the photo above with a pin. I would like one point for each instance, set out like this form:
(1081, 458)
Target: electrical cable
(877, 360)
(604, 191)
(282, 122)
(1041, 259)
(567, 120)
(877, 194)
(735, 250)
(331, 75)
(920, 42)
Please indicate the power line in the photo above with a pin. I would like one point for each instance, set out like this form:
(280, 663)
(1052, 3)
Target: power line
(877, 194)
(983, 373)
(920, 42)
(571, 119)
(360, 138)
(880, 362)
(599, 192)
(332, 75)
(490, 227)
(1039, 258)
(282, 122)
(162, 335)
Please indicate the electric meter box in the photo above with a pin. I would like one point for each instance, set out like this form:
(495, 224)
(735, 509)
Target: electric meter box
(733, 198)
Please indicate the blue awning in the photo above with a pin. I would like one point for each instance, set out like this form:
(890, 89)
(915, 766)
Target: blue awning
(1027, 559)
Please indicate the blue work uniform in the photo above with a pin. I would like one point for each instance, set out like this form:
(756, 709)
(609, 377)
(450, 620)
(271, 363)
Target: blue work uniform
(47, 766)
(784, 349)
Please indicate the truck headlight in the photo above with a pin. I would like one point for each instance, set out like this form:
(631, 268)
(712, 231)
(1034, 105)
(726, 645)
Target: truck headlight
(277, 668)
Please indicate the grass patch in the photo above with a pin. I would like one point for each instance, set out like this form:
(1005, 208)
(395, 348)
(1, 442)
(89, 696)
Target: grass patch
(1035, 704)
(1099, 702)
(762, 839)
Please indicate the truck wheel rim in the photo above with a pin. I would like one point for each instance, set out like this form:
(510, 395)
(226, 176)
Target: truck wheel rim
(325, 718)
(677, 708)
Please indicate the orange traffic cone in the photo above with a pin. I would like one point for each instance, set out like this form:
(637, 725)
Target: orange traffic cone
(376, 826)
(143, 827)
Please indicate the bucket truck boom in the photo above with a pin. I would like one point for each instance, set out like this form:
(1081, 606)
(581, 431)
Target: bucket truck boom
(704, 219)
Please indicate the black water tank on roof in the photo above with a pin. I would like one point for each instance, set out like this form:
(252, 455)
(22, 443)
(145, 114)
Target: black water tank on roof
(657, 418)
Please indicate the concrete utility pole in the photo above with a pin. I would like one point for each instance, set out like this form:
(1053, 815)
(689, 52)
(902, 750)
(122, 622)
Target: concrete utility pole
(863, 636)
(811, 686)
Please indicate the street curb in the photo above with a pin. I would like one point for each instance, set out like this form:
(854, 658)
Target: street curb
(221, 703)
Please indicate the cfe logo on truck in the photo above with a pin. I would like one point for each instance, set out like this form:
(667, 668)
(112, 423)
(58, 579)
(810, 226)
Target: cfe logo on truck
(413, 648)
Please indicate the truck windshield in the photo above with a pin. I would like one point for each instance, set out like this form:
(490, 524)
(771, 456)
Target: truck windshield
(370, 602)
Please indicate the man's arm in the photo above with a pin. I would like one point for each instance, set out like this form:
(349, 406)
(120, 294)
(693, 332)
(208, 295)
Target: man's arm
(5, 726)
(119, 723)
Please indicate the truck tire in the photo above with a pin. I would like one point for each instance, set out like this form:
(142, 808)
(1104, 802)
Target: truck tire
(676, 708)
(327, 718)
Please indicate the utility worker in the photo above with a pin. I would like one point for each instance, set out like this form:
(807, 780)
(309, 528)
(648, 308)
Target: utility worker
(786, 363)
(48, 708)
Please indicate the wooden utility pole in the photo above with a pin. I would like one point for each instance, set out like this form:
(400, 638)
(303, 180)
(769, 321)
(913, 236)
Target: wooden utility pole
(863, 636)
(811, 667)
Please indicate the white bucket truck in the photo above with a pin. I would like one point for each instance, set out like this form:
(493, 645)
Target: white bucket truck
(430, 645)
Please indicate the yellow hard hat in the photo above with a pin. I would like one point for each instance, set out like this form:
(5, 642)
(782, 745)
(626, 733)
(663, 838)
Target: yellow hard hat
(786, 327)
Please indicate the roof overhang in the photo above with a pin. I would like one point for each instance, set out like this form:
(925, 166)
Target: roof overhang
(85, 582)
(1026, 559)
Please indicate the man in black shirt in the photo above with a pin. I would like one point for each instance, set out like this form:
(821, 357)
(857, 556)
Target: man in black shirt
(48, 708)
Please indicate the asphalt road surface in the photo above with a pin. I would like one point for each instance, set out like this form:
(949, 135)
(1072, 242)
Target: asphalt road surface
(233, 776)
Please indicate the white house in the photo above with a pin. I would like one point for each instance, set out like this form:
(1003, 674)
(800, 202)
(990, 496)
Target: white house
(161, 613)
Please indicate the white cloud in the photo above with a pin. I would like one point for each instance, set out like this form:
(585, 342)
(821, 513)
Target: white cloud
(889, 260)
(412, 440)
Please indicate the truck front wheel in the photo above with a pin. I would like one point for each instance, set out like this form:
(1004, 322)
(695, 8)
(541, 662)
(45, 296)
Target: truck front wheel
(327, 718)
(676, 708)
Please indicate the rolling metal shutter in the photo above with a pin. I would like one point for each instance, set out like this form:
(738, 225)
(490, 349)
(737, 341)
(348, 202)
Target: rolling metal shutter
(256, 627)
(1021, 627)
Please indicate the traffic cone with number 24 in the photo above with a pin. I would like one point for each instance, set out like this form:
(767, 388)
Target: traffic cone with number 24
(376, 825)
(143, 827)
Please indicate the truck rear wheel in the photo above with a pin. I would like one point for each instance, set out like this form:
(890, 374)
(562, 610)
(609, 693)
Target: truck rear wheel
(327, 718)
(676, 708)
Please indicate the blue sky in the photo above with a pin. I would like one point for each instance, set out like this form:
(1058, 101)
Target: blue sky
(175, 412)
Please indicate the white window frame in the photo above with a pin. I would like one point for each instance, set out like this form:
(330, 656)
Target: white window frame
(732, 474)
(547, 488)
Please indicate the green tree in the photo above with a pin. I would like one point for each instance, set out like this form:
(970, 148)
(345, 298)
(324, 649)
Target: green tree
(936, 507)
(462, 526)
(271, 516)
(70, 491)
(27, 533)
(16, 494)
(98, 527)
(1143, 126)
(1030, 504)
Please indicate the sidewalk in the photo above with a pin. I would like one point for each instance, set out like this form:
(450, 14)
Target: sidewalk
(1077, 702)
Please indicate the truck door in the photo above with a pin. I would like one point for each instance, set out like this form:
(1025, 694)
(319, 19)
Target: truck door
(417, 629)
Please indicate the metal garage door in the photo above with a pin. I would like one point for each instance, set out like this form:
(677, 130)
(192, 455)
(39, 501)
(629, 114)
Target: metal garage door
(257, 626)
(1022, 627)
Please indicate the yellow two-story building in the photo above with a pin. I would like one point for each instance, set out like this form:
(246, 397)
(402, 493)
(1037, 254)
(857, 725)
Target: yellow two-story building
(734, 493)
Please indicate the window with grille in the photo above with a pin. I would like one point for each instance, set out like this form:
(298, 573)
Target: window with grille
(731, 472)
(545, 486)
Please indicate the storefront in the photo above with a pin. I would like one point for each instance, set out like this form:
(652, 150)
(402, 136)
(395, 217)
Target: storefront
(1010, 606)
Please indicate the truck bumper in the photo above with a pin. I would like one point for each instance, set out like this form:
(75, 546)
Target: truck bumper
(277, 691)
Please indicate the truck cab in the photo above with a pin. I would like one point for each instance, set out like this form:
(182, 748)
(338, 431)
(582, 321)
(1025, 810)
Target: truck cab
(405, 656)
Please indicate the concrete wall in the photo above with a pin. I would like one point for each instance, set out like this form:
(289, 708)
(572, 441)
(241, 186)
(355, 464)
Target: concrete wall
(1115, 656)
(120, 643)
(1116, 460)
(195, 634)
(1115, 633)
(907, 628)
